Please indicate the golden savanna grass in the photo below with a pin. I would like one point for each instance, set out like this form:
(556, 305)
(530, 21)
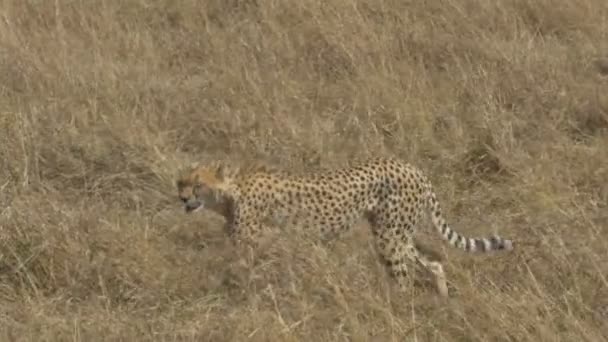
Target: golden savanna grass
(503, 104)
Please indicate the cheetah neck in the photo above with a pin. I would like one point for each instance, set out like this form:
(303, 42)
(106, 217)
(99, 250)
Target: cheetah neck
(228, 189)
(227, 209)
(225, 197)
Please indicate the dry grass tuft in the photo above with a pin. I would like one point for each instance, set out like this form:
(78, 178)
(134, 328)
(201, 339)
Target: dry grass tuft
(102, 103)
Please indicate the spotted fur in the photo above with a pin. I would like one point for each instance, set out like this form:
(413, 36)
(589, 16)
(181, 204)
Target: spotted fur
(391, 195)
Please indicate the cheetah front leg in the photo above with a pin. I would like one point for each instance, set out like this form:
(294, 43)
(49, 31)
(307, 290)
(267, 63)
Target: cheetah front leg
(330, 234)
(244, 227)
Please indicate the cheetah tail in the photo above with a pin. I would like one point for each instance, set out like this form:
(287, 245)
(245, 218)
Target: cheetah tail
(460, 241)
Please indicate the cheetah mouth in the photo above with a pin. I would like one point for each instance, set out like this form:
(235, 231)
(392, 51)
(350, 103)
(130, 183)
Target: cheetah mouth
(192, 206)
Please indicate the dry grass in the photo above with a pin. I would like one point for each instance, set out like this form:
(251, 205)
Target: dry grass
(503, 104)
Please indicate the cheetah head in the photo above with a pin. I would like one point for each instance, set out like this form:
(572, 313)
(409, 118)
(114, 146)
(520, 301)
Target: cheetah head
(202, 187)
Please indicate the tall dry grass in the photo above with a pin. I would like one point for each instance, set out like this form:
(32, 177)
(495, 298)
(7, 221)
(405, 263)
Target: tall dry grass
(503, 104)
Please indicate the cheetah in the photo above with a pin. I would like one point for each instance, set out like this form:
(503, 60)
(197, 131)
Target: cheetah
(390, 194)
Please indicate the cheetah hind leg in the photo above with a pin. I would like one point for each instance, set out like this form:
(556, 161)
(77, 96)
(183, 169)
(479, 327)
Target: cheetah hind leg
(393, 257)
(413, 253)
